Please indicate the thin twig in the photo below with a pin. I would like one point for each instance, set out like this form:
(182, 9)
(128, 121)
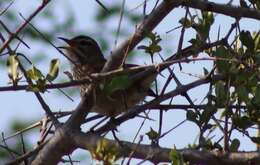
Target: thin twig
(122, 11)
(7, 7)
(19, 29)
(100, 76)
(102, 5)
(44, 105)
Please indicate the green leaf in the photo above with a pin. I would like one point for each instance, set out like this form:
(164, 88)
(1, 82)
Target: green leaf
(242, 93)
(41, 85)
(33, 88)
(12, 66)
(176, 157)
(247, 40)
(234, 145)
(207, 114)
(152, 134)
(223, 66)
(185, 22)
(192, 116)
(220, 93)
(53, 70)
(243, 122)
(206, 143)
(208, 18)
(203, 26)
(154, 37)
(117, 83)
(106, 152)
(38, 87)
(154, 46)
(34, 73)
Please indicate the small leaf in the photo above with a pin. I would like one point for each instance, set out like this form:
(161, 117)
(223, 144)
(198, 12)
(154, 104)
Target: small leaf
(176, 157)
(207, 114)
(155, 48)
(223, 66)
(117, 83)
(34, 73)
(193, 41)
(33, 88)
(53, 70)
(12, 65)
(247, 40)
(41, 85)
(38, 87)
(208, 18)
(152, 134)
(185, 22)
(234, 145)
(242, 93)
(221, 94)
(192, 116)
(243, 122)
(105, 151)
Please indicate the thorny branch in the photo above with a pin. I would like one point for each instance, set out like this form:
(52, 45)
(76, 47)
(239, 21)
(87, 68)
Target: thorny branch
(96, 77)
(19, 29)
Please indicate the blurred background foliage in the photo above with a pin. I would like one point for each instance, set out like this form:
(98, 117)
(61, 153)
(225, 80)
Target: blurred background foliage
(51, 25)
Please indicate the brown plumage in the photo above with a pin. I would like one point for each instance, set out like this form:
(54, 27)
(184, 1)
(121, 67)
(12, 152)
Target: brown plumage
(86, 58)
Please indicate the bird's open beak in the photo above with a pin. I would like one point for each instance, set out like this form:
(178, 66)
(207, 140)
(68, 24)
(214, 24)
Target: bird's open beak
(64, 39)
(68, 41)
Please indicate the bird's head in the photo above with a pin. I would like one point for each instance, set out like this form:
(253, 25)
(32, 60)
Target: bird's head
(83, 50)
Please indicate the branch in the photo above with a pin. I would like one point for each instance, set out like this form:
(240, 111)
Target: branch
(158, 154)
(19, 29)
(185, 106)
(232, 11)
(27, 155)
(55, 149)
(96, 77)
(44, 105)
(148, 24)
(139, 109)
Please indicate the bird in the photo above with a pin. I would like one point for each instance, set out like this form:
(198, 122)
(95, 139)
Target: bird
(86, 57)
